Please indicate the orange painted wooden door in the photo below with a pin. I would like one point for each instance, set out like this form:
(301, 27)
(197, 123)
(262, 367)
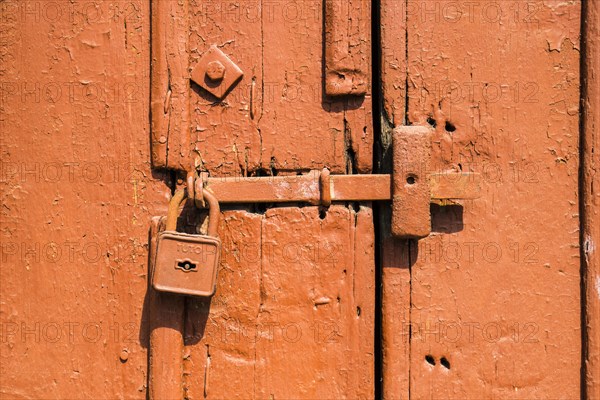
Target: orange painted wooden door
(488, 306)
(294, 313)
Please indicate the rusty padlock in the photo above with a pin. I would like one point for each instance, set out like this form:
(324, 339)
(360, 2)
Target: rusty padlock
(187, 264)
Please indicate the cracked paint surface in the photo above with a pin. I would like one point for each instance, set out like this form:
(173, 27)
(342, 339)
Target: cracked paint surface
(495, 290)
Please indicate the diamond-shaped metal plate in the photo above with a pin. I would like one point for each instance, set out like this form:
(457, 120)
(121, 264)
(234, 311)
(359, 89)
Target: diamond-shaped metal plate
(217, 87)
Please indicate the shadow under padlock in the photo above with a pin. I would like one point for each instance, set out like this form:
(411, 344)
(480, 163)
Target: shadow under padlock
(192, 220)
(187, 263)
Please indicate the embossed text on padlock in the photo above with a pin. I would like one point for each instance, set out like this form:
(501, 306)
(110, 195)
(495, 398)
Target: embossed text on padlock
(187, 264)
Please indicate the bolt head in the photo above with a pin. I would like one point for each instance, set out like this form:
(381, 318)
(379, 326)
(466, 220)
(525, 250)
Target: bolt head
(215, 70)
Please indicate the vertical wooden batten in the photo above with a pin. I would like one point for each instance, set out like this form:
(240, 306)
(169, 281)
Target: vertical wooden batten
(590, 195)
(170, 87)
(166, 310)
(395, 253)
(345, 47)
(170, 148)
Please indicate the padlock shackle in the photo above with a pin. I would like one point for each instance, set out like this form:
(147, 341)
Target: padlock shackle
(179, 197)
(173, 213)
(214, 211)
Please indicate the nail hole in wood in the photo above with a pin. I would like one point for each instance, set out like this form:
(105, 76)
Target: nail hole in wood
(444, 361)
(322, 213)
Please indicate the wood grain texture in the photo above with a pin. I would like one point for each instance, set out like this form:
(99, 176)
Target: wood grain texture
(166, 313)
(495, 303)
(393, 62)
(226, 133)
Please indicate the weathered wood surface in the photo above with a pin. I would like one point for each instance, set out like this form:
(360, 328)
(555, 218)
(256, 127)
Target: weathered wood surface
(495, 291)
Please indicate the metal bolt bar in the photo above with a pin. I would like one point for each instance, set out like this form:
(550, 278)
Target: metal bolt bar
(307, 188)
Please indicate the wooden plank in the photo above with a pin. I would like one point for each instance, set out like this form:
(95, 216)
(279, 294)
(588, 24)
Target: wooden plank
(300, 127)
(495, 296)
(170, 104)
(166, 314)
(395, 322)
(275, 121)
(357, 114)
(303, 295)
(332, 309)
(226, 133)
(591, 196)
(77, 197)
(346, 50)
(222, 333)
(395, 256)
(393, 64)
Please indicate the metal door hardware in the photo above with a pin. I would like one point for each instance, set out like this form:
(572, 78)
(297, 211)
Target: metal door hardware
(216, 73)
(187, 264)
(411, 191)
(309, 188)
(411, 188)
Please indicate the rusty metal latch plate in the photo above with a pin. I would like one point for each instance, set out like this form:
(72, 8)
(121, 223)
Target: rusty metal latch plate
(410, 182)
(216, 73)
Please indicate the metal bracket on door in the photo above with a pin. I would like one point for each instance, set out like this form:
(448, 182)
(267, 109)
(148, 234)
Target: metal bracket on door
(411, 187)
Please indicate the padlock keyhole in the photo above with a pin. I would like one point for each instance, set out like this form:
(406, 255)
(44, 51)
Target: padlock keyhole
(186, 265)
